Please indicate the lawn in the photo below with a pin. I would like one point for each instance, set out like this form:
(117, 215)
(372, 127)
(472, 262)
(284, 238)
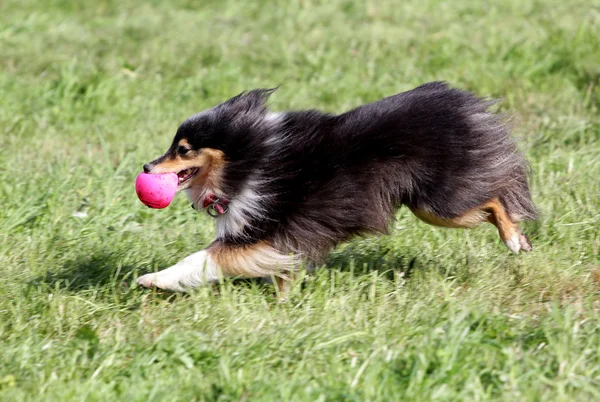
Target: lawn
(91, 90)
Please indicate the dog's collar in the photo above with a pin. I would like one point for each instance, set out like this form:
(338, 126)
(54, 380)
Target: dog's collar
(214, 205)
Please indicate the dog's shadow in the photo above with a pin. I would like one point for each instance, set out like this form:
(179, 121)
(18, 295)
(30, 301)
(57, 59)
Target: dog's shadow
(115, 269)
(90, 271)
(364, 260)
(108, 269)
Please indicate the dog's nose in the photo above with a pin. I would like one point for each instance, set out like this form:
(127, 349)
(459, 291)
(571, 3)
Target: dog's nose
(147, 168)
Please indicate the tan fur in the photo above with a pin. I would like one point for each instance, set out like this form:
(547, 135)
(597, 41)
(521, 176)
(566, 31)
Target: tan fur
(470, 219)
(252, 261)
(499, 218)
(494, 212)
(213, 169)
(184, 143)
(284, 286)
(210, 161)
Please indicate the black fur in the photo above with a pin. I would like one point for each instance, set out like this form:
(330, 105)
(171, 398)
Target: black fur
(324, 178)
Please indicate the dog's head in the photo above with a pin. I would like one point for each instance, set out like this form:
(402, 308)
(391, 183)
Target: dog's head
(210, 141)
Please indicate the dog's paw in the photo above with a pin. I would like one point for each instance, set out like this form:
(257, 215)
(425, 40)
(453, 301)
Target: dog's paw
(513, 243)
(147, 280)
(164, 280)
(525, 243)
(518, 242)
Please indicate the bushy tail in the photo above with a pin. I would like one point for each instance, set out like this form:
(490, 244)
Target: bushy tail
(517, 199)
(510, 168)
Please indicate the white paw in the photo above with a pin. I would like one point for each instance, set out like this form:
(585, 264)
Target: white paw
(155, 280)
(147, 280)
(514, 243)
(525, 243)
(194, 270)
(161, 280)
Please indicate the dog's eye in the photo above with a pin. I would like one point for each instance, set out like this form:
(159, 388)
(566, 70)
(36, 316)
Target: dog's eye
(181, 150)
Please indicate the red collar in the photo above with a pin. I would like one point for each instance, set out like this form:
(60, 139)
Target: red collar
(215, 206)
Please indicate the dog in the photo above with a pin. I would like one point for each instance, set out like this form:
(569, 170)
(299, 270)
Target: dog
(286, 187)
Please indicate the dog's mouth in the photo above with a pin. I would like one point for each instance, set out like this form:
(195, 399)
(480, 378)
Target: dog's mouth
(186, 175)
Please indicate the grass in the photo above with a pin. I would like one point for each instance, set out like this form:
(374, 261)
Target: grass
(92, 90)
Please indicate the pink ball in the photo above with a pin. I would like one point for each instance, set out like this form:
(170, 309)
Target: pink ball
(156, 190)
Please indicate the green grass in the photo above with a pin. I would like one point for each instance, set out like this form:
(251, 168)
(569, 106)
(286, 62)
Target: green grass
(92, 90)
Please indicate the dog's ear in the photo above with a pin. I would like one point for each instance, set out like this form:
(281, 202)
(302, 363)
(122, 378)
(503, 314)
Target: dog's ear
(254, 100)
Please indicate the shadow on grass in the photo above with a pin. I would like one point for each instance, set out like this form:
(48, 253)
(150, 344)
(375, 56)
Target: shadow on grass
(386, 258)
(91, 271)
(363, 260)
(107, 269)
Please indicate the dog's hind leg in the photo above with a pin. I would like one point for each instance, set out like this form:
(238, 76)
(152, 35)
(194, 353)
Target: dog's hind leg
(509, 231)
(494, 212)
(284, 287)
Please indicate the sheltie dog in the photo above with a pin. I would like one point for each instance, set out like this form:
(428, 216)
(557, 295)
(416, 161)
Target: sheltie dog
(286, 187)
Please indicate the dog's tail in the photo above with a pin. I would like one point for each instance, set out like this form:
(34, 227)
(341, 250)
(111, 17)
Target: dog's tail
(510, 170)
(452, 152)
(517, 199)
(483, 151)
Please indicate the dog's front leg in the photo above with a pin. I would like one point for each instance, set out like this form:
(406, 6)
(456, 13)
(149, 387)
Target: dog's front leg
(248, 261)
(194, 270)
